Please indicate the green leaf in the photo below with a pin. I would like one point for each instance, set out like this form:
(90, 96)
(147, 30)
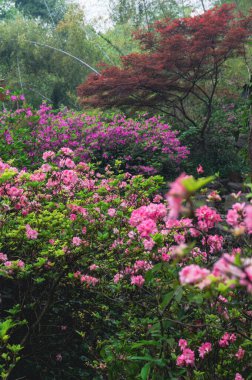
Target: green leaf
(192, 185)
(145, 343)
(166, 299)
(5, 327)
(145, 371)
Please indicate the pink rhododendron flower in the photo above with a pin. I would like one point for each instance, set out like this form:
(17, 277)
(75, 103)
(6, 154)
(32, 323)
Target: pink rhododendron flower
(137, 280)
(187, 358)
(76, 241)
(93, 267)
(204, 349)
(176, 195)
(148, 244)
(3, 257)
(48, 155)
(73, 217)
(89, 280)
(248, 218)
(224, 268)
(38, 177)
(147, 227)
(200, 169)
(182, 344)
(226, 339)
(67, 151)
(30, 233)
(214, 196)
(193, 274)
(207, 217)
(240, 353)
(215, 242)
(117, 278)
(235, 216)
(20, 264)
(238, 376)
(111, 212)
(46, 168)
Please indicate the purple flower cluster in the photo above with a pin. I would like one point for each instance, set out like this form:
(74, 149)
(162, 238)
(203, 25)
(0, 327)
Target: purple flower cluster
(141, 146)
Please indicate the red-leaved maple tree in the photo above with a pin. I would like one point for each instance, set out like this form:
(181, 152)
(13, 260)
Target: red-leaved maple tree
(178, 70)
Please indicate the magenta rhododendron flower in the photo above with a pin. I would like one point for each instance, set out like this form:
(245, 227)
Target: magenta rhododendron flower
(204, 349)
(240, 353)
(200, 169)
(207, 218)
(182, 344)
(187, 358)
(226, 339)
(238, 376)
(137, 280)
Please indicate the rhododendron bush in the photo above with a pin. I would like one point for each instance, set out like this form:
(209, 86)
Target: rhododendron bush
(104, 277)
(145, 146)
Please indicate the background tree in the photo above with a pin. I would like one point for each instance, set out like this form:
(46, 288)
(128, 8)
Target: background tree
(178, 70)
(32, 57)
(48, 10)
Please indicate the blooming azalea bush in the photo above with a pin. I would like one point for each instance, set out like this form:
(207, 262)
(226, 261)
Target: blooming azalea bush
(143, 146)
(62, 236)
(102, 275)
(197, 290)
(137, 284)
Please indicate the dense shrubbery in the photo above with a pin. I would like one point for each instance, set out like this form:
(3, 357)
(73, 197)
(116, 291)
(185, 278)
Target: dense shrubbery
(145, 146)
(75, 269)
(102, 276)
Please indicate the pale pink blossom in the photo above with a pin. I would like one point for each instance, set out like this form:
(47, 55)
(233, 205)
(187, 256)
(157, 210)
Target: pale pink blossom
(93, 267)
(176, 195)
(236, 215)
(240, 353)
(67, 151)
(193, 274)
(248, 218)
(148, 244)
(48, 155)
(111, 212)
(76, 241)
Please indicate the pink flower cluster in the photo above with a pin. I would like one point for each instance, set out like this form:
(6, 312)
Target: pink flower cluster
(145, 218)
(207, 218)
(89, 280)
(193, 274)
(226, 339)
(187, 358)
